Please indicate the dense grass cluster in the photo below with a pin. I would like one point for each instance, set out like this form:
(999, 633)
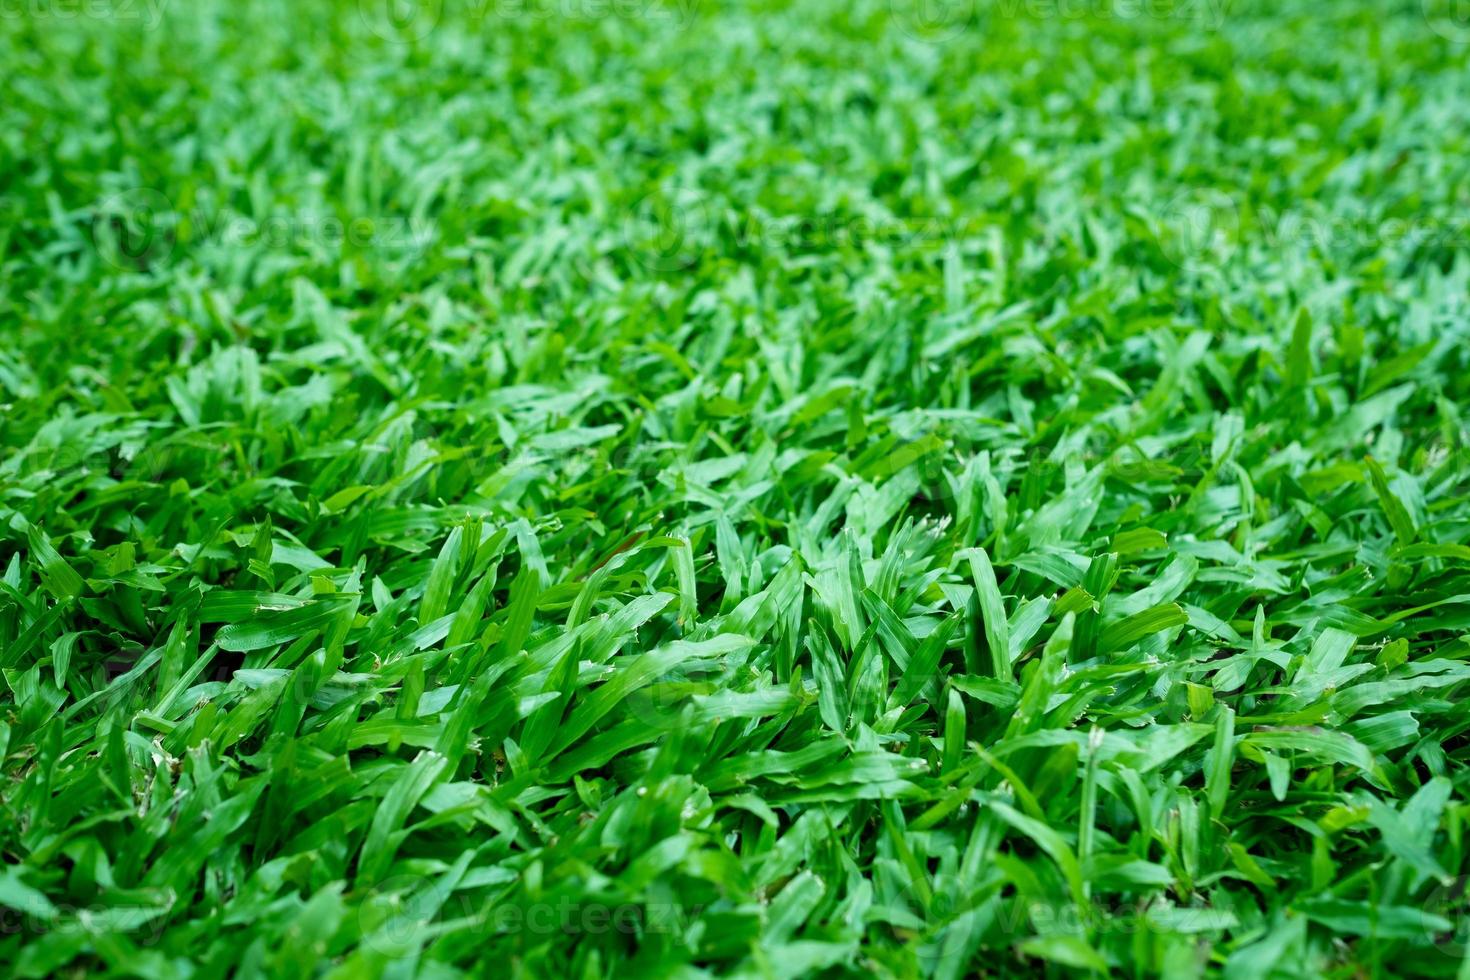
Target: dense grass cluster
(581, 488)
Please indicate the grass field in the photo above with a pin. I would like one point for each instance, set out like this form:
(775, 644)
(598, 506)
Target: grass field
(669, 488)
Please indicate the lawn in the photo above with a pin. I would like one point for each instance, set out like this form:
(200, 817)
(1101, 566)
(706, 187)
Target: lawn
(679, 488)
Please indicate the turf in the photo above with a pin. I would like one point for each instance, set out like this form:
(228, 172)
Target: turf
(672, 488)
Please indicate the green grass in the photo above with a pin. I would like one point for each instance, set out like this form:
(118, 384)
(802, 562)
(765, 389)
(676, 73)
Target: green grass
(580, 489)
